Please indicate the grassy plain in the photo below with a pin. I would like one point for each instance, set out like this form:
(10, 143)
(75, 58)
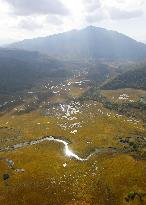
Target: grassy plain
(50, 177)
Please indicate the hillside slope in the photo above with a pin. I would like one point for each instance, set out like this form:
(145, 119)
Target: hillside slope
(130, 79)
(20, 69)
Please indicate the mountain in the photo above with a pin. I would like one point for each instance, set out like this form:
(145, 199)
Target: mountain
(131, 79)
(91, 42)
(20, 70)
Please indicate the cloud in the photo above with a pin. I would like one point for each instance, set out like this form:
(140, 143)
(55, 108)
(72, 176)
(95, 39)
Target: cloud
(92, 5)
(95, 17)
(31, 7)
(29, 24)
(116, 13)
(54, 19)
(94, 11)
(99, 10)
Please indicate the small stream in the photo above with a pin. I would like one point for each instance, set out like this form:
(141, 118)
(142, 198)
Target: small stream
(67, 151)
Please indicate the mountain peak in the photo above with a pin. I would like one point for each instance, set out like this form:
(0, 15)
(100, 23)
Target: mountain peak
(94, 28)
(90, 27)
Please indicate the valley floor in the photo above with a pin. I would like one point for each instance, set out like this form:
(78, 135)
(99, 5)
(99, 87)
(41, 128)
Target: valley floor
(45, 174)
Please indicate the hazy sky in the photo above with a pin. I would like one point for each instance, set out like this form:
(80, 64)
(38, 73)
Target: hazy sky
(22, 19)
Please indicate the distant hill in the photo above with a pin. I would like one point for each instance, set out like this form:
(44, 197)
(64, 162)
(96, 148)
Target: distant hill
(20, 69)
(131, 79)
(99, 72)
(91, 43)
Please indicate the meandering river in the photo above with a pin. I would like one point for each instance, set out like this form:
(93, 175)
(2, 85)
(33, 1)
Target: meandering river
(67, 151)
